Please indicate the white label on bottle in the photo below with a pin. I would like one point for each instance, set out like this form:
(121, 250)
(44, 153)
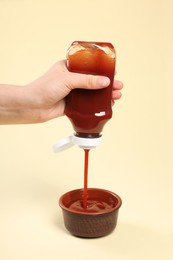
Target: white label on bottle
(102, 113)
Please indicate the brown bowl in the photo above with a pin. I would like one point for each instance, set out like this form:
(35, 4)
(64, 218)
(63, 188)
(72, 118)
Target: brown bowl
(88, 223)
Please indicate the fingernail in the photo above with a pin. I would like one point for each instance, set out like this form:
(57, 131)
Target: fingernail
(104, 81)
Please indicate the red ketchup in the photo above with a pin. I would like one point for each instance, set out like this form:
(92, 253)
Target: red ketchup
(89, 110)
(93, 206)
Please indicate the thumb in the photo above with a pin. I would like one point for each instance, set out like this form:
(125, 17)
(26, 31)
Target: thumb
(86, 81)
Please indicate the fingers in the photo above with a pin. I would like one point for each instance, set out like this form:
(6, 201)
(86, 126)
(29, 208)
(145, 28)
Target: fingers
(116, 93)
(117, 85)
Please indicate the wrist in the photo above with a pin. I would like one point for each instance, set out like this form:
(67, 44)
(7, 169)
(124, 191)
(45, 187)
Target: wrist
(16, 105)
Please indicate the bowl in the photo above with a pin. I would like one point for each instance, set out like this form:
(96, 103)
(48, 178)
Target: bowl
(98, 219)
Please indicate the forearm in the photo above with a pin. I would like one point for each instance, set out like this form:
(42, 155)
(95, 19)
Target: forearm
(15, 105)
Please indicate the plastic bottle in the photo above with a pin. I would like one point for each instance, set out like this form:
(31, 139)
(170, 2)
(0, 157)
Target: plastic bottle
(89, 110)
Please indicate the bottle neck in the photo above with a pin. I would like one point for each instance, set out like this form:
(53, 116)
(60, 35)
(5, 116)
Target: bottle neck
(87, 142)
(88, 135)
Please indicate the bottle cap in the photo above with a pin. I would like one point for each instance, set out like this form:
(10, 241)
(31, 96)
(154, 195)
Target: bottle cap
(67, 142)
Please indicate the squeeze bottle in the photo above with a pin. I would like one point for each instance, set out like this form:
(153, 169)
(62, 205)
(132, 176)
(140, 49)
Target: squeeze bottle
(89, 110)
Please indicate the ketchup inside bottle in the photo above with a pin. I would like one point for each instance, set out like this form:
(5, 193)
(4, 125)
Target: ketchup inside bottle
(89, 110)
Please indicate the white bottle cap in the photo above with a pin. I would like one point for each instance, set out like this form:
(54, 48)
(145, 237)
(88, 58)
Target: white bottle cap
(85, 143)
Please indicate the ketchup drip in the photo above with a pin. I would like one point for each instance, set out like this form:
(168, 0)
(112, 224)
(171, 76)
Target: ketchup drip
(85, 178)
(85, 204)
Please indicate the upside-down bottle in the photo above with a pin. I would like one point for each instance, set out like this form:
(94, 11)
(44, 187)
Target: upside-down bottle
(89, 110)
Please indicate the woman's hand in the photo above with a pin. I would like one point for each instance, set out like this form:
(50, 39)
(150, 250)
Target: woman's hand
(51, 89)
(44, 98)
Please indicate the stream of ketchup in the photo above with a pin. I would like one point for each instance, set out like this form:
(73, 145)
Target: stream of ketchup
(85, 178)
(85, 204)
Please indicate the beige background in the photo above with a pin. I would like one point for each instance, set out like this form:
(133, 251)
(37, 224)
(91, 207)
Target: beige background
(135, 159)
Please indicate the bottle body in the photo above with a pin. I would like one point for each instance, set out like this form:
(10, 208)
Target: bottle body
(89, 110)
